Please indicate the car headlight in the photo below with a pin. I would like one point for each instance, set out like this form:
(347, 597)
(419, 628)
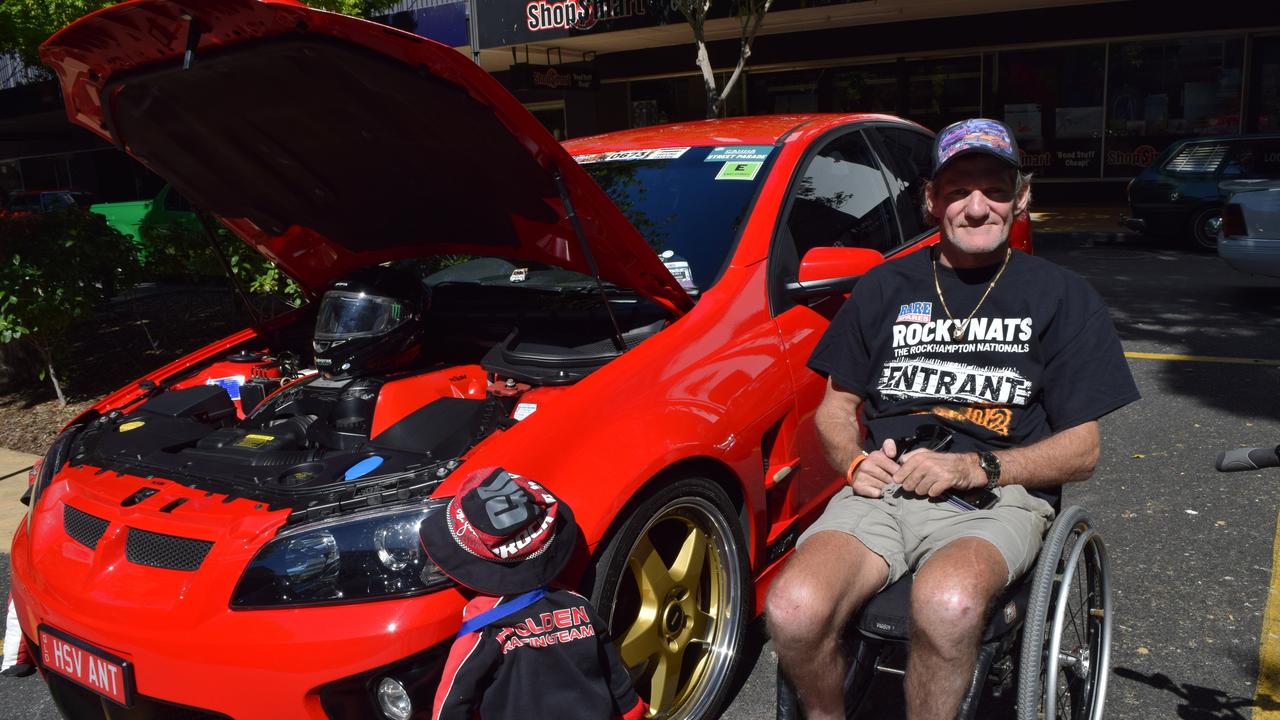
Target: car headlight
(371, 556)
(48, 467)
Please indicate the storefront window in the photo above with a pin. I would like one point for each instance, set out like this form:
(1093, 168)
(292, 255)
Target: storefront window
(1158, 92)
(858, 88)
(1265, 91)
(1052, 100)
(654, 102)
(942, 91)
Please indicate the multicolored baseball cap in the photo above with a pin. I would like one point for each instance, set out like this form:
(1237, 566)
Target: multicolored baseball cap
(975, 135)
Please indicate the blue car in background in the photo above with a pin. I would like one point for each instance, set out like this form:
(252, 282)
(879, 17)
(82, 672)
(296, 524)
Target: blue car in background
(1179, 194)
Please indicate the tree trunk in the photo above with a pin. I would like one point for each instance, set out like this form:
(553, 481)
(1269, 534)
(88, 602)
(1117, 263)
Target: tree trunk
(53, 377)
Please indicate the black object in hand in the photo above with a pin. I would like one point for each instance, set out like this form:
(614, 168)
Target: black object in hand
(930, 436)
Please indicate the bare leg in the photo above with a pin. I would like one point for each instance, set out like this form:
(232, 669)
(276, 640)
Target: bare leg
(949, 602)
(830, 576)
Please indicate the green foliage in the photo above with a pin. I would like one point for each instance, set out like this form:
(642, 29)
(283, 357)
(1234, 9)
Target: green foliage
(358, 8)
(24, 24)
(181, 248)
(56, 268)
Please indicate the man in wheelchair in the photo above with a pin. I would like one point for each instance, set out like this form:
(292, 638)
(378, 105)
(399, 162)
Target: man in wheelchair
(1016, 359)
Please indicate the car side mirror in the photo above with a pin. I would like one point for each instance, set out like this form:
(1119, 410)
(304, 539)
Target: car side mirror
(1020, 233)
(831, 271)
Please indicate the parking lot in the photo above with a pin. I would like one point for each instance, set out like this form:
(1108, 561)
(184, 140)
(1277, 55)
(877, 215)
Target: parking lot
(1191, 549)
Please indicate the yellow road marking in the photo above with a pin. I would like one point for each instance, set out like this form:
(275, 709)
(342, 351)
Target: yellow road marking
(1264, 706)
(1200, 358)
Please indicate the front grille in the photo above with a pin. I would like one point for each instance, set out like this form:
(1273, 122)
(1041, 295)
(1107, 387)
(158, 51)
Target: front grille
(83, 527)
(165, 551)
(74, 701)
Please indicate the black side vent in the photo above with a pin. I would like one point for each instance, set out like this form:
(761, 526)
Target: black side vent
(83, 527)
(165, 551)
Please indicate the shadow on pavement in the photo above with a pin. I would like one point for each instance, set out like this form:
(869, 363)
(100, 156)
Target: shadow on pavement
(1199, 702)
(1165, 299)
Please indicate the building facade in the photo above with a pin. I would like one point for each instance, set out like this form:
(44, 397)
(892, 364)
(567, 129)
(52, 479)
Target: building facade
(1094, 90)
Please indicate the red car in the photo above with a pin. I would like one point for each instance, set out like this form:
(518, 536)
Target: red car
(629, 329)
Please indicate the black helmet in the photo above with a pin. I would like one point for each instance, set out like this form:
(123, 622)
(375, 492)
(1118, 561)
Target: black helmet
(369, 321)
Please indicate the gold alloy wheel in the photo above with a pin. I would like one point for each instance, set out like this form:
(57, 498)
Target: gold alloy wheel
(677, 606)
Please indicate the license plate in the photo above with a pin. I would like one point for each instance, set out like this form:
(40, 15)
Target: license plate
(77, 660)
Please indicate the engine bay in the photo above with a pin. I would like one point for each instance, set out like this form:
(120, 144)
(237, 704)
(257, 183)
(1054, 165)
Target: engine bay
(262, 424)
(314, 442)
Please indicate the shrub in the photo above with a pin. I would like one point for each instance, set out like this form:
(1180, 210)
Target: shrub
(180, 248)
(56, 267)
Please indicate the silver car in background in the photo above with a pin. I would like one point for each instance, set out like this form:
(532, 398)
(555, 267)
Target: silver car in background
(1249, 234)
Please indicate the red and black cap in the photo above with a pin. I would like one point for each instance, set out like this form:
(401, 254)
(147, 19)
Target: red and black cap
(502, 534)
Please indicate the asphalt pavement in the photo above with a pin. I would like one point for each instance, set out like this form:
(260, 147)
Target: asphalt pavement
(1191, 549)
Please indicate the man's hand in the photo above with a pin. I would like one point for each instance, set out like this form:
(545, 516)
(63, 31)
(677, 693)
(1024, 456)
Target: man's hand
(928, 473)
(876, 471)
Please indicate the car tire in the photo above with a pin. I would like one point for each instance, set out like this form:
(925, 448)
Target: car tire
(672, 584)
(1203, 230)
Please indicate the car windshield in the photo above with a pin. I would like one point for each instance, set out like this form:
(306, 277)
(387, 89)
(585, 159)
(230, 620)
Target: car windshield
(687, 202)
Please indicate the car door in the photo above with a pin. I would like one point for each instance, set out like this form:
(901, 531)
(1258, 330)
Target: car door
(839, 197)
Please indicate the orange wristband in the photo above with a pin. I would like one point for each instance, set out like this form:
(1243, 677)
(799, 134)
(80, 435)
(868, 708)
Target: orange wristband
(853, 466)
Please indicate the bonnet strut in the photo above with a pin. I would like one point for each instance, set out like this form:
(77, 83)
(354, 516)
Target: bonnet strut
(591, 260)
(212, 237)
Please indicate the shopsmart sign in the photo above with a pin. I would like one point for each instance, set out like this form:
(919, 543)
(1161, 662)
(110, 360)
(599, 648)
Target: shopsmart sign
(579, 14)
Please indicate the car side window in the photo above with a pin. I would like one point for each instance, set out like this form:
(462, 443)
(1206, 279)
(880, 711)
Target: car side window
(1253, 159)
(907, 162)
(842, 200)
(1197, 159)
(58, 201)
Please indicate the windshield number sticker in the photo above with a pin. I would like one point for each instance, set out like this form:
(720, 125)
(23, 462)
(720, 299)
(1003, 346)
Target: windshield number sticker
(739, 153)
(519, 275)
(738, 171)
(670, 153)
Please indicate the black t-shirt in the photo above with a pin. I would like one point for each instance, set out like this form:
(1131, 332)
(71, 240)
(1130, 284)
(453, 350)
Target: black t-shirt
(1039, 356)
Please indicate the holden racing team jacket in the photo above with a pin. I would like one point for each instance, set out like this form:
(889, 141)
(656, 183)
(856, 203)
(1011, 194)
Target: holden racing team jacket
(551, 659)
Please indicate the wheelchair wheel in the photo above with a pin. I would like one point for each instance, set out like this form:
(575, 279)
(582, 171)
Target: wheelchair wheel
(1066, 639)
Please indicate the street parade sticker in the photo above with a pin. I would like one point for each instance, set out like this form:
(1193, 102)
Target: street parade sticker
(738, 171)
(670, 153)
(739, 153)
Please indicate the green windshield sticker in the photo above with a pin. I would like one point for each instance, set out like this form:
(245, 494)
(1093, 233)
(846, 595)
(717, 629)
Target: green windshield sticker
(738, 171)
(739, 153)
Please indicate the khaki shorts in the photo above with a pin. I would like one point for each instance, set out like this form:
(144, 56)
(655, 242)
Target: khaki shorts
(906, 530)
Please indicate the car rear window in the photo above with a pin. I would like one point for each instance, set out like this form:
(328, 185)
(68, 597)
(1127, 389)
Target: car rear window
(688, 202)
(1197, 158)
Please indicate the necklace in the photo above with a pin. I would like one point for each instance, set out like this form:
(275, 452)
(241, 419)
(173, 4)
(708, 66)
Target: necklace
(957, 332)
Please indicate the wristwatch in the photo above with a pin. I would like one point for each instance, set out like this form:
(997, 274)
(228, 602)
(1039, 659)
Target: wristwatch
(990, 465)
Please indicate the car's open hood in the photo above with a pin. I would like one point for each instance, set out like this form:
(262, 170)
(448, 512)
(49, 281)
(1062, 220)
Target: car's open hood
(331, 142)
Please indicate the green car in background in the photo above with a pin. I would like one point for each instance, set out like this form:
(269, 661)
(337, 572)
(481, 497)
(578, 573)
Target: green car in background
(168, 211)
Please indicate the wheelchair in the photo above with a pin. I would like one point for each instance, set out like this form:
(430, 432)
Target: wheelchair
(1049, 633)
